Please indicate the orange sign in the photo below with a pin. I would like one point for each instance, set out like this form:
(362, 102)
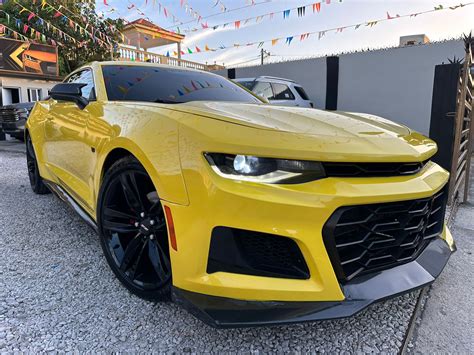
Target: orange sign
(28, 57)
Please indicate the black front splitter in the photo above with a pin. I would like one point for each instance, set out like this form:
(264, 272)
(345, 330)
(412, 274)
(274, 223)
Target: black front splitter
(221, 312)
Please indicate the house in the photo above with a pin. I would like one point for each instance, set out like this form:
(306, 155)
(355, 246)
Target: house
(27, 71)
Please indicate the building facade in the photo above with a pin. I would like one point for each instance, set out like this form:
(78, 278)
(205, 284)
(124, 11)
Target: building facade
(27, 71)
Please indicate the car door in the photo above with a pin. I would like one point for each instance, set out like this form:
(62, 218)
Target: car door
(282, 95)
(66, 148)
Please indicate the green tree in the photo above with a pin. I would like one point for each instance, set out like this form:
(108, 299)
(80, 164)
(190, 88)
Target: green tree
(84, 36)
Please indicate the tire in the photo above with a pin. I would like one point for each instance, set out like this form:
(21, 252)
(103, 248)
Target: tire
(133, 231)
(20, 137)
(36, 182)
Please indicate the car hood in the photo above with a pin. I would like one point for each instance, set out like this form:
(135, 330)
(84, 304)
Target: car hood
(300, 120)
(330, 135)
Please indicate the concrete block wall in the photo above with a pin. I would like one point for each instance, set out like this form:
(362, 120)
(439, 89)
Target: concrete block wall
(395, 83)
(311, 73)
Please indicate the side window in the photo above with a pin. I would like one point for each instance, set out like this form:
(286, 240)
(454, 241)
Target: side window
(84, 77)
(263, 89)
(282, 92)
(302, 93)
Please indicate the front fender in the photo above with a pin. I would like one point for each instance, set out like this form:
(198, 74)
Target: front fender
(161, 161)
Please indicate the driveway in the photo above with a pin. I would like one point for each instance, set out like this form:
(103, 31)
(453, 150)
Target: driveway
(57, 293)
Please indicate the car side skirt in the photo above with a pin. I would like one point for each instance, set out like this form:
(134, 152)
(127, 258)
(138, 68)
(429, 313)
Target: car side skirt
(69, 200)
(221, 312)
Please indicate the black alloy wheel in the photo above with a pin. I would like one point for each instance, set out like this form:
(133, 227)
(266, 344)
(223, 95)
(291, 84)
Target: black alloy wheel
(133, 231)
(36, 182)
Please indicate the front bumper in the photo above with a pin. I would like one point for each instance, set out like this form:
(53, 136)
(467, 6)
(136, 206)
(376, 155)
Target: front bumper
(14, 128)
(298, 212)
(221, 312)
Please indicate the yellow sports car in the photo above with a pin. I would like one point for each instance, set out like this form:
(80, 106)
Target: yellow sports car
(242, 212)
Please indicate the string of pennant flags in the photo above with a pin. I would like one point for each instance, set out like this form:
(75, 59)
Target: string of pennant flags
(28, 30)
(42, 22)
(249, 3)
(59, 13)
(315, 7)
(4, 29)
(164, 10)
(288, 40)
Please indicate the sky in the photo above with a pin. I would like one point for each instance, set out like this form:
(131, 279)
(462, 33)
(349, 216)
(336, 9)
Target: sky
(438, 25)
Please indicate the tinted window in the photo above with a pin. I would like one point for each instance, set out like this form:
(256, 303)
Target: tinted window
(247, 84)
(282, 92)
(263, 89)
(301, 92)
(157, 84)
(84, 77)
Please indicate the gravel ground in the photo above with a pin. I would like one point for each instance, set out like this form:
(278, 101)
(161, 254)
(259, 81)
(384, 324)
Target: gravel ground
(446, 321)
(57, 293)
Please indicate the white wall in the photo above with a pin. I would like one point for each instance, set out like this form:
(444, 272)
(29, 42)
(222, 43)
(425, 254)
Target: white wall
(310, 73)
(396, 83)
(25, 84)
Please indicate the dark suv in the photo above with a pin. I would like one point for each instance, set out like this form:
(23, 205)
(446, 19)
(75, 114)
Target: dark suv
(13, 118)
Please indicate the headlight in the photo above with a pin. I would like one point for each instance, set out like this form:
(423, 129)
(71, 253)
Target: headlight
(31, 59)
(265, 170)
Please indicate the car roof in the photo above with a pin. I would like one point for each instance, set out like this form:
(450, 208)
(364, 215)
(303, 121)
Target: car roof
(143, 64)
(266, 77)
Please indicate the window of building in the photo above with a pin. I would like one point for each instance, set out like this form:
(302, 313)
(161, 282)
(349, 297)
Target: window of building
(34, 95)
(11, 96)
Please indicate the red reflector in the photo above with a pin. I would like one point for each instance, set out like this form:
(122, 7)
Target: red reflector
(171, 231)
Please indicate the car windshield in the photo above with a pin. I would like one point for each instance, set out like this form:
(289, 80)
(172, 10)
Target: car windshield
(169, 85)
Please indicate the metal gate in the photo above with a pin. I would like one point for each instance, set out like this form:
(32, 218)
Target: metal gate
(463, 129)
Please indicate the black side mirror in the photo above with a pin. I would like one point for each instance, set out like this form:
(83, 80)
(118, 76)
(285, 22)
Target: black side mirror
(69, 92)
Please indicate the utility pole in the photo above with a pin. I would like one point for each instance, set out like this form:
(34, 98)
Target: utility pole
(263, 54)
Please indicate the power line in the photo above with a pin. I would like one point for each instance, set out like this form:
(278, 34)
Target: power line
(250, 60)
(323, 32)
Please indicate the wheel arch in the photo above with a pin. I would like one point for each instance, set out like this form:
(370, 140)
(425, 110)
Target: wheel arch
(124, 147)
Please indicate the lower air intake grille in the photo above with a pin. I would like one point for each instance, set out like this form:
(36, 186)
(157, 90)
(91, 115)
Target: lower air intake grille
(368, 238)
(253, 253)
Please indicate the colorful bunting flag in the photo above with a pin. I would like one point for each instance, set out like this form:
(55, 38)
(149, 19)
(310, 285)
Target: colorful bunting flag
(316, 7)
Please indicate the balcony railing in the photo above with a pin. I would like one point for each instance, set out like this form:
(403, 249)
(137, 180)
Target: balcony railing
(131, 54)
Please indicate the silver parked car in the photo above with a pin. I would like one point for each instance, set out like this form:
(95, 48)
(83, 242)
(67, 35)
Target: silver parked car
(278, 91)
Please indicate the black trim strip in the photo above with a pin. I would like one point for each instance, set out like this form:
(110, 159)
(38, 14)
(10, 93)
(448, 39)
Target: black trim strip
(360, 292)
(64, 196)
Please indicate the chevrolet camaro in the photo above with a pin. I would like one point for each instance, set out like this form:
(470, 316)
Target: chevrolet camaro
(242, 212)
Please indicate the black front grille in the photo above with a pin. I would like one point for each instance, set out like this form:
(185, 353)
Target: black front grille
(12, 114)
(372, 169)
(367, 238)
(253, 253)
